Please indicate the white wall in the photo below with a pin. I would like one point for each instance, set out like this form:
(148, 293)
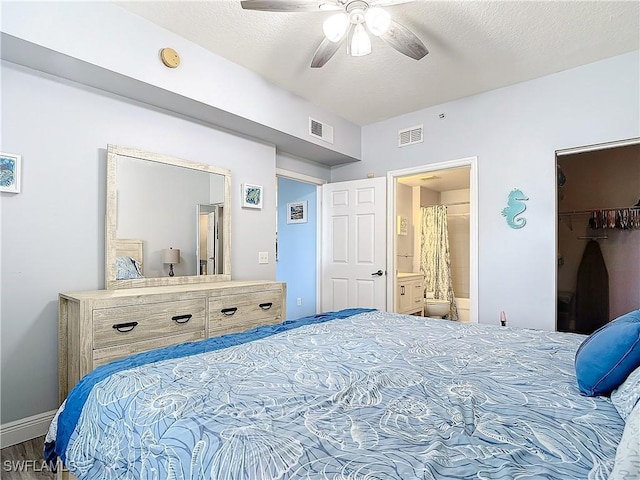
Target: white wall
(100, 40)
(53, 231)
(515, 132)
(305, 167)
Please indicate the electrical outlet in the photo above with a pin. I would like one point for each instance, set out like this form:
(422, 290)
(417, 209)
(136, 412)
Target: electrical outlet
(299, 301)
(263, 257)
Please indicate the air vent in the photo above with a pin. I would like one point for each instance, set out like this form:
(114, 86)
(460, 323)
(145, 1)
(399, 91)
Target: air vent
(320, 130)
(409, 136)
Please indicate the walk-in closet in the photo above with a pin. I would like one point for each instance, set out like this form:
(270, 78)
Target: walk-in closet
(598, 255)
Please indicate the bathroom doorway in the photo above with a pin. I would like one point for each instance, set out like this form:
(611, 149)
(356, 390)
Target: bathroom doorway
(598, 236)
(453, 184)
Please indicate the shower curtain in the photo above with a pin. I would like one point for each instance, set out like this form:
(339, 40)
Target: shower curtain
(435, 261)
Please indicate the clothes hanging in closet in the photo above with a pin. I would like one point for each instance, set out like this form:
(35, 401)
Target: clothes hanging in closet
(592, 290)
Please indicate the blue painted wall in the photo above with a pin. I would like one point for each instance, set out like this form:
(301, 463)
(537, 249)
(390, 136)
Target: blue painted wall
(297, 248)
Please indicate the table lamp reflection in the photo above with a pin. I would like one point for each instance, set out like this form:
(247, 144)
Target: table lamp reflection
(171, 256)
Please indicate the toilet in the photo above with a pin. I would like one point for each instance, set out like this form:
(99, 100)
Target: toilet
(434, 307)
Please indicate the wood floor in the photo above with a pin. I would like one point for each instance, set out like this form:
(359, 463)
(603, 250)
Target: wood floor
(24, 461)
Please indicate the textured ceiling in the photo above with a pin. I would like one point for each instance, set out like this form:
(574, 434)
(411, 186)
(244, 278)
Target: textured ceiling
(474, 47)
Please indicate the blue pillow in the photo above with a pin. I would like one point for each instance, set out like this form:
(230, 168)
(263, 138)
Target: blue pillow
(607, 357)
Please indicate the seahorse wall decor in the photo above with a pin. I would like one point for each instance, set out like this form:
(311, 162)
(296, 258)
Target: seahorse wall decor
(515, 206)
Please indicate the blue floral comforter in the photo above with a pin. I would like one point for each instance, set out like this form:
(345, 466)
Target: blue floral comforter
(369, 396)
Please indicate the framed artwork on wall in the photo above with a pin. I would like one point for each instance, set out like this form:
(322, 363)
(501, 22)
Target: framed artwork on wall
(297, 212)
(251, 195)
(10, 165)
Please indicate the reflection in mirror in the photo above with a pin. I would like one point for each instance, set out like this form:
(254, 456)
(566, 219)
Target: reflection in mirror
(150, 200)
(210, 239)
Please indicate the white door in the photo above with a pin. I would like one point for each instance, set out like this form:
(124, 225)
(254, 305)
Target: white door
(354, 244)
(212, 242)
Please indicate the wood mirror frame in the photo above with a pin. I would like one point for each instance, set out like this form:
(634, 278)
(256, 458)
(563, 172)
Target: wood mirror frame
(114, 246)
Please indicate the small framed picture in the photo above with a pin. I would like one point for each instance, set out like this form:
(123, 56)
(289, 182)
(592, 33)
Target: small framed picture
(10, 165)
(297, 212)
(251, 195)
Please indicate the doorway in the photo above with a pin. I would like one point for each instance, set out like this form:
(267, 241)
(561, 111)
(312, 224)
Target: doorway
(598, 242)
(298, 241)
(451, 183)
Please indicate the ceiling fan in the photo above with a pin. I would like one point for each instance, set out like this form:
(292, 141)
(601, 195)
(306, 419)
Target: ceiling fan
(355, 21)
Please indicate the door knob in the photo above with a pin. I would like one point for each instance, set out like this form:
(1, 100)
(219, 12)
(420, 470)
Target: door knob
(378, 273)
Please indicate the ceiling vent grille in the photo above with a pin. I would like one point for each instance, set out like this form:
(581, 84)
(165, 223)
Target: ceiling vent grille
(320, 130)
(410, 136)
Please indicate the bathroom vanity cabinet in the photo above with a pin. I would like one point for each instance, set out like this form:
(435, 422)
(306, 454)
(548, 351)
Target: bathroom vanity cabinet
(410, 294)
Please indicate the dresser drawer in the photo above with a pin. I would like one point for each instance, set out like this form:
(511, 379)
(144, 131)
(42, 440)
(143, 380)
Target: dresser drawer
(109, 354)
(134, 323)
(238, 312)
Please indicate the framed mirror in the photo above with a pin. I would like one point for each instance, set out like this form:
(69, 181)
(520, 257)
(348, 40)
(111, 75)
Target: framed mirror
(167, 220)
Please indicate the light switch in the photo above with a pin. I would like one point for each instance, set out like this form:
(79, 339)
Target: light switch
(263, 257)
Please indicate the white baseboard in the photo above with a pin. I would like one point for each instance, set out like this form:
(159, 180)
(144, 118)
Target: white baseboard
(25, 429)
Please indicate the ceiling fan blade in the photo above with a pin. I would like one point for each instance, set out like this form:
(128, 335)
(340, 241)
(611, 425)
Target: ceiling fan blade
(288, 5)
(388, 3)
(325, 51)
(404, 41)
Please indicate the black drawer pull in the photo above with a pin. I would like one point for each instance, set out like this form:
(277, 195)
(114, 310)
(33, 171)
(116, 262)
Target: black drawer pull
(182, 318)
(125, 327)
(266, 306)
(229, 311)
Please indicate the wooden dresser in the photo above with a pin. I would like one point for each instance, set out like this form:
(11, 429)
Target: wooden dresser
(96, 327)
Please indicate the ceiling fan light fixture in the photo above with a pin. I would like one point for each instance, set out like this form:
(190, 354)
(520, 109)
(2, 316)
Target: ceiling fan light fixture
(360, 44)
(335, 27)
(378, 21)
(353, 26)
(356, 15)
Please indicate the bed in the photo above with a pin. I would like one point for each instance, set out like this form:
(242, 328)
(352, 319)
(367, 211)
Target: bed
(130, 247)
(129, 258)
(355, 394)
